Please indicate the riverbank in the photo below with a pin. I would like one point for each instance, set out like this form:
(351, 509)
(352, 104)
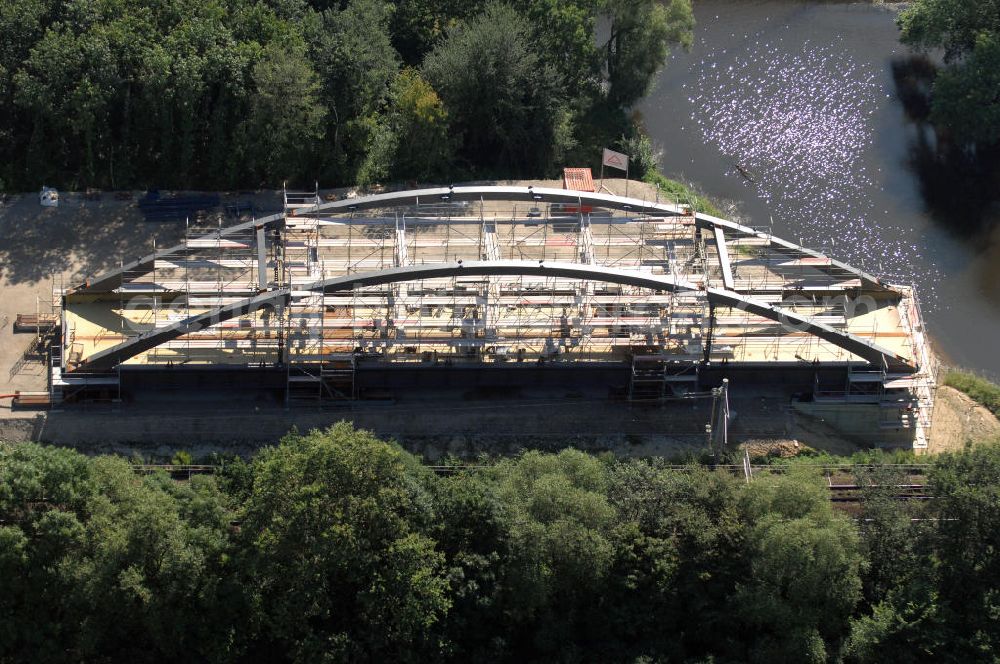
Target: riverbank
(980, 390)
(683, 193)
(960, 421)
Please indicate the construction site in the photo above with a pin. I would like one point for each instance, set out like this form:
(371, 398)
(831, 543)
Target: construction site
(492, 293)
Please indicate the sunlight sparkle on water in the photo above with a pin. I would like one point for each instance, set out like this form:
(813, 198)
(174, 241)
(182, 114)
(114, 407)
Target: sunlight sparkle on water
(796, 127)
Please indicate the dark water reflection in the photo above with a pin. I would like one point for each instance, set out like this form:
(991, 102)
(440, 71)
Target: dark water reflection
(792, 111)
(959, 185)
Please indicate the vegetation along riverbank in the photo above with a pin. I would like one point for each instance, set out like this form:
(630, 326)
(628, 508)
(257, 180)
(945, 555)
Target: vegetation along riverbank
(981, 390)
(340, 546)
(960, 167)
(238, 94)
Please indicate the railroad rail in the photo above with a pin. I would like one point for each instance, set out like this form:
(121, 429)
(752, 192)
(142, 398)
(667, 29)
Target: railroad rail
(848, 496)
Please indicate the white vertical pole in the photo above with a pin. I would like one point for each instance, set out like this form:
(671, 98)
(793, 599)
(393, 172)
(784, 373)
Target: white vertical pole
(725, 413)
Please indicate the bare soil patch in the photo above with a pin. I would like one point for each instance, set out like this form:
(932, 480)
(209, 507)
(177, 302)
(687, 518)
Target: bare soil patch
(958, 421)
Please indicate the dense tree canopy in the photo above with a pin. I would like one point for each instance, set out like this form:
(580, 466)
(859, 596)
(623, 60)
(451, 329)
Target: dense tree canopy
(337, 546)
(246, 93)
(336, 560)
(507, 103)
(101, 564)
(637, 47)
(966, 94)
(945, 605)
(953, 25)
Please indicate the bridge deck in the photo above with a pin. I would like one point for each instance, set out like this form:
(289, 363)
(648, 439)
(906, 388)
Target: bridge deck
(489, 318)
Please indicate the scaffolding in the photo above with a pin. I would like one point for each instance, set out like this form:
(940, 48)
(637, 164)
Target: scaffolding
(316, 370)
(663, 338)
(484, 319)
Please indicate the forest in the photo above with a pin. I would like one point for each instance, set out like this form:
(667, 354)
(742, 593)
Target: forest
(222, 94)
(337, 546)
(246, 94)
(964, 96)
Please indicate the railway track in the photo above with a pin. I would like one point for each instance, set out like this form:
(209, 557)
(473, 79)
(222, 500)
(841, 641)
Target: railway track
(845, 492)
(853, 493)
(842, 480)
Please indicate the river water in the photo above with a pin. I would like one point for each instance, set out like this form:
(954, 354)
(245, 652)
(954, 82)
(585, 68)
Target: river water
(789, 111)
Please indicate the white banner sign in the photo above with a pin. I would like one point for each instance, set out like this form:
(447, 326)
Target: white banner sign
(615, 160)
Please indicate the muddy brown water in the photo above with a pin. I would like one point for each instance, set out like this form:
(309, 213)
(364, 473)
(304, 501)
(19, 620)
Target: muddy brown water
(790, 111)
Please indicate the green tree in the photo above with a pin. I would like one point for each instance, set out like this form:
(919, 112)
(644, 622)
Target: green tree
(121, 91)
(678, 557)
(565, 30)
(411, 139)
(944, 608)
(967, 491)
(954, 25)
(22, 24)
(285, 126)
(803, 579)
(905, 626)
(336, 558)
(153, 578)
(964, 97)
(44, 494)
(637, 46)
(418, 24)
(357, 64)
(105, 565)
(507, 106)
(644, 159)
(888, 539)
(560, 551)
(471, 525)
(68, 84)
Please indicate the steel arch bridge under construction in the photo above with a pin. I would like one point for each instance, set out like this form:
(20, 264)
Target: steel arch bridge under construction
(492, 277)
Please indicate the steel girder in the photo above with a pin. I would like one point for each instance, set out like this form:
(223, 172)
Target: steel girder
(533, 194)
(113, 279)
(871, 352)
(109, 358)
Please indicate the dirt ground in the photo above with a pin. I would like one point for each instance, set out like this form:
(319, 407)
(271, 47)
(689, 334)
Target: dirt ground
(42, 248)
(45, 247)
(431, 426)
(958, 420)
